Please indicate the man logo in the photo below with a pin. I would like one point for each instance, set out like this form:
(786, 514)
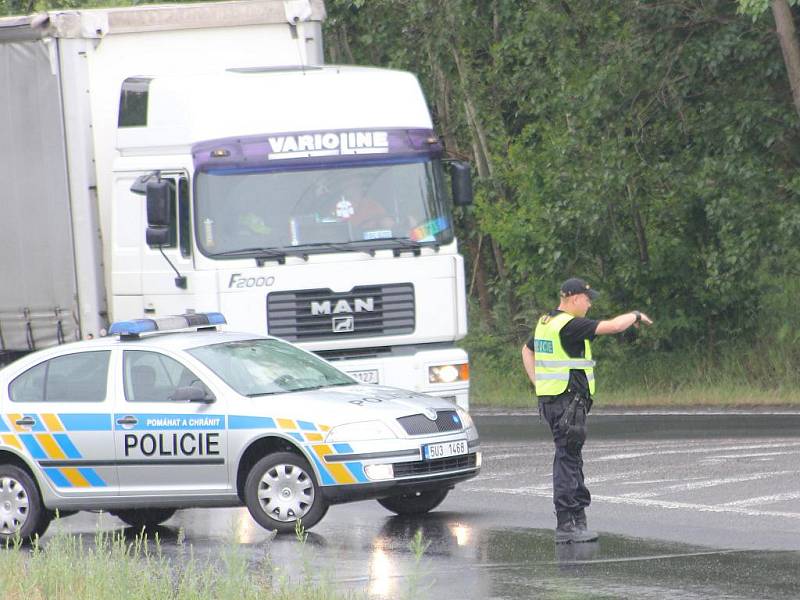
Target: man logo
(343, 324)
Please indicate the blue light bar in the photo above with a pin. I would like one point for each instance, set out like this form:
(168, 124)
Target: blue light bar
(135, 327)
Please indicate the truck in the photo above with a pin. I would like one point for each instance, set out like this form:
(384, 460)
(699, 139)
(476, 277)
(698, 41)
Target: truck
(173, 159)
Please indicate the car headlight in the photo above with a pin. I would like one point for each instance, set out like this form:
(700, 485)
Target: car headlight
(466, 420)
(355, 432)
(448, 373)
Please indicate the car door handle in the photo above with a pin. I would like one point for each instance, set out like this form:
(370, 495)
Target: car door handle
(26, 422)
(127, 421)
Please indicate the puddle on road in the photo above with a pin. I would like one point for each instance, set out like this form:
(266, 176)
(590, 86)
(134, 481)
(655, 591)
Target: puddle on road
(464, 559)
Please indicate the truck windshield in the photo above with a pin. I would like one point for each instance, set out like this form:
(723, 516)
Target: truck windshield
(240, 212)
(261, 367)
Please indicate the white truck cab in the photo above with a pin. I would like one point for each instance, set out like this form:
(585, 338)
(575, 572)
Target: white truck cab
(307, 203)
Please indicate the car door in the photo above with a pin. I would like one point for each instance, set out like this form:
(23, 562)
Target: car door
(59, 413)
(165, 445)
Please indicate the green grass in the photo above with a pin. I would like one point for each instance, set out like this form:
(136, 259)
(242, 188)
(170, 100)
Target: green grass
(766, 375)
(69, 567)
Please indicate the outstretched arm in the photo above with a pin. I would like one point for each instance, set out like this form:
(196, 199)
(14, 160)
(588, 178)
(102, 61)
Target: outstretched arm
(622, 322)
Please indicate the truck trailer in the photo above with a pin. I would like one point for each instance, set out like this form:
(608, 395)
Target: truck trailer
(164, 160)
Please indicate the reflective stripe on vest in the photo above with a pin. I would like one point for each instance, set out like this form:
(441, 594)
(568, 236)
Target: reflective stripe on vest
(551, 361)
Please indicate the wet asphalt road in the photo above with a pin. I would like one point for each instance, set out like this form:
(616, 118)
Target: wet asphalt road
(688, 506)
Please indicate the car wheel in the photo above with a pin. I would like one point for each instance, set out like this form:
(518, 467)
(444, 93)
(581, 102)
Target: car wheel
(417, 503)
(146, 518)
(280, 489)
(21, 510)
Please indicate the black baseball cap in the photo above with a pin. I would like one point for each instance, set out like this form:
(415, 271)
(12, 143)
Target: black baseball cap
(577, 286)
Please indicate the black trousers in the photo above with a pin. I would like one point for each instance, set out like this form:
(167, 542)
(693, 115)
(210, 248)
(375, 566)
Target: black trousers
(569, 491)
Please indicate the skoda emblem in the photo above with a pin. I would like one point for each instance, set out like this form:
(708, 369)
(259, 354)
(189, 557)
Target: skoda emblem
(430, 413)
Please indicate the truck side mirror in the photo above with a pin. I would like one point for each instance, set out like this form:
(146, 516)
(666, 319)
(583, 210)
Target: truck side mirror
(158, 204)
(157, 236)
(461, 180)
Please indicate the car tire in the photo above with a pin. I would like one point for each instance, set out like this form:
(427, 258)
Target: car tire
(280, 489)
(144, 518)
(21, 510)
(417, 503)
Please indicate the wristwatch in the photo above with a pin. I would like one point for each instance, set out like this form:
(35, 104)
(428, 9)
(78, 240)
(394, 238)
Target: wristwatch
(638, 316)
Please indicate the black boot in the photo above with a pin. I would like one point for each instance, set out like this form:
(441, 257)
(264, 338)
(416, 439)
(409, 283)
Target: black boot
(579, 518)
(565, 528)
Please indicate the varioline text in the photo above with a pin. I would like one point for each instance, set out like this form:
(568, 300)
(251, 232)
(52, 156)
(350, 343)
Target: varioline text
(328, 144)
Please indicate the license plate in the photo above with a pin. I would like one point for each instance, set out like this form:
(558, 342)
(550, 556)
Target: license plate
(367, 376)
(445, 449)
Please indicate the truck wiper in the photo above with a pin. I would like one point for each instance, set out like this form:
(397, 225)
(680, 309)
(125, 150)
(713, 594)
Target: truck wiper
(260, 254)
(398, 244)
(304, 250)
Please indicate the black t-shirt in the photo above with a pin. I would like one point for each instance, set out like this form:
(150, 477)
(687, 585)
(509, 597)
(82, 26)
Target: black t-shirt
(572, 337)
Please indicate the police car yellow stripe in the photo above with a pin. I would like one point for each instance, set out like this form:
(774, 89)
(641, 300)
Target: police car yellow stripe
(12, 440)
(314, 437)
(75, 477)
(339, 472)
(13, 418)
(52, 422)
(50, 446)
(286, 424)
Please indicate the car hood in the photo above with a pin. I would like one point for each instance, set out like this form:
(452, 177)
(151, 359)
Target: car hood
(347, 404)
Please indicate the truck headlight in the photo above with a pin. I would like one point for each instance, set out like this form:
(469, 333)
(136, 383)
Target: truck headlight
(448, 373)
(355, 432)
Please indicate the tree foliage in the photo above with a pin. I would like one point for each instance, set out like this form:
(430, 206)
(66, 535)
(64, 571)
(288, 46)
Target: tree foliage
(649, 147)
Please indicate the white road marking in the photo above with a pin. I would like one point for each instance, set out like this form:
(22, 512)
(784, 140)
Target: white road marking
(696, 485)
(700, 450)
(764, 499)
(642, 502)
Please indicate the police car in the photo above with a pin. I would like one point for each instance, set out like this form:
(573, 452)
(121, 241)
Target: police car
(171, 413)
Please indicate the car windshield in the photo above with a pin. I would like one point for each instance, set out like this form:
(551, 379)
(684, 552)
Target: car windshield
(260, 367)
(243, 213)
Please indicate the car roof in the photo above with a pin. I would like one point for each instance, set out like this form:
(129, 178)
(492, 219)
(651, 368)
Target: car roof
(172, 340)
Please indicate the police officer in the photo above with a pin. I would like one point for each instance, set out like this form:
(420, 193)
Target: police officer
(558, 361)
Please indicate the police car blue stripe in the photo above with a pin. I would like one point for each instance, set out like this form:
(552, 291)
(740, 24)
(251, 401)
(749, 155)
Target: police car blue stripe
(326, 477)
(243, 422)
(86, 422)
(305, 425)
(357, 469)
(66, 445)
(92, 477)
(343, 448)
(33, 446)
(57, 478)
(298, 436)
(38, 426)
(3, 426)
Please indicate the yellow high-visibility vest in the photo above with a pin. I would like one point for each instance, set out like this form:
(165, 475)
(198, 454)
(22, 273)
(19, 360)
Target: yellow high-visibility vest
(552, 362)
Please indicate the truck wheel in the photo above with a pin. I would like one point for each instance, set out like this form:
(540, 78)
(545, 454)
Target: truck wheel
(280, 489)
(21, 510)
(414, 504)
(146, 518)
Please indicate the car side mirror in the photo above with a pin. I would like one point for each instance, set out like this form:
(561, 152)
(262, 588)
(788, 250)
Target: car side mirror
(461, 182)
(192, 393)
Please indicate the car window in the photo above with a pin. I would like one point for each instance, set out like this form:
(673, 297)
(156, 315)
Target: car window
(263, 366)
(79, 377)
(155, 377)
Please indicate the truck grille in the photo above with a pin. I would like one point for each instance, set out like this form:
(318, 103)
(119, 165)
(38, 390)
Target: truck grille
(446, 420)
(365, 311)
(437, 465)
